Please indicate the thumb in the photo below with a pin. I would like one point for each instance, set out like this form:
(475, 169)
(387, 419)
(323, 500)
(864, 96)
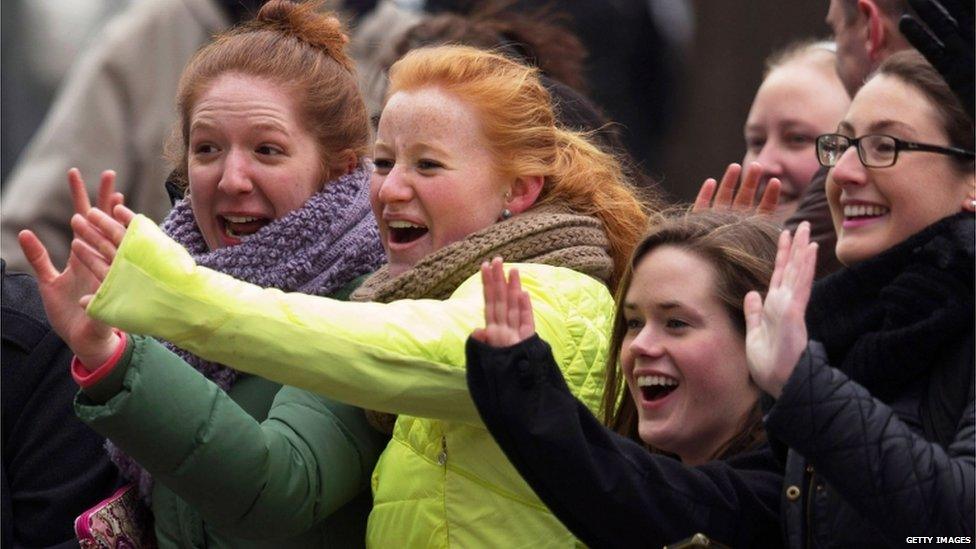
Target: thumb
(85, 300)
(752, 307)
(480, 334)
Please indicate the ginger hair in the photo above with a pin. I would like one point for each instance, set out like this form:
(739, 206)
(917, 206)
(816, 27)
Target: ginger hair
(298, 48)
(518, 121)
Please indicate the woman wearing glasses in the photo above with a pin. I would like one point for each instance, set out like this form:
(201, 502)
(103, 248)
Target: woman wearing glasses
(874, 386)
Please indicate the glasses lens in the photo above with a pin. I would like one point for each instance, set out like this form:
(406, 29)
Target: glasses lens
(830, 148)
(878, 151)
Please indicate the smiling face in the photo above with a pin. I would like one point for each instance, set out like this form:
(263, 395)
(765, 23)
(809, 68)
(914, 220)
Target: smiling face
(250, 161)
(874, 209)
(682, 358)
(797, 102)
(435, 181)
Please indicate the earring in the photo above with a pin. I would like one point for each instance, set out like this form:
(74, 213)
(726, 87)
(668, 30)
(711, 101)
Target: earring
(506, 213)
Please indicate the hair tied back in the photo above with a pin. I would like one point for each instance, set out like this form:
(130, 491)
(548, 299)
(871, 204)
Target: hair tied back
(306, 22)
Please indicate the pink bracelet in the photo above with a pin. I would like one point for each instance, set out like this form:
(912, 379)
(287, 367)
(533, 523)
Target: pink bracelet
(85, 378)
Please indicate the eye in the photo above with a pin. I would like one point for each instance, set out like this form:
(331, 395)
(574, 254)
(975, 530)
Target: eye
(798, 140)
(269, 150)
(204, 148)
(755, 144)
(634, 324)
(425, 164)
(382, 166)
(676, 324)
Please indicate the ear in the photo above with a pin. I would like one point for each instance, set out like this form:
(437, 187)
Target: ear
(876, 33)
(345, 162)
(524, 192)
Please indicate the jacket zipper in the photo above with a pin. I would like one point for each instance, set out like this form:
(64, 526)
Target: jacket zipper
(442, 457)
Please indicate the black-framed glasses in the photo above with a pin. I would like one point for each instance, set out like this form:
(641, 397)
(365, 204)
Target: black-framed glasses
(876, 150)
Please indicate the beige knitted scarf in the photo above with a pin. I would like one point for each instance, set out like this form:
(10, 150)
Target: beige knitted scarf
(545, 235)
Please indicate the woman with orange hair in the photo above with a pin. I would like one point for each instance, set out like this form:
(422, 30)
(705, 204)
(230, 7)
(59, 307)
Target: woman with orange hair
(470, 164)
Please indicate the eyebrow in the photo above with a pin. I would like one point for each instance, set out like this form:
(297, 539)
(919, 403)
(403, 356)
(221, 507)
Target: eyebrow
(268, 124)
(877, 126)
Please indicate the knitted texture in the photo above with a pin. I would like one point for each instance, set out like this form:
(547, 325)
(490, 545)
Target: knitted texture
(548, 236)
(316, 249)
(882, 320)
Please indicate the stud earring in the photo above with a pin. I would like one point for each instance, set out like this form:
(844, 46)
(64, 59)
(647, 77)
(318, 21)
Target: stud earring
(506, 213)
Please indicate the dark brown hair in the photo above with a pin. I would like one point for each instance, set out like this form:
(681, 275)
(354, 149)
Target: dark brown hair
(742, 252)
(911, 68)
(301, 50)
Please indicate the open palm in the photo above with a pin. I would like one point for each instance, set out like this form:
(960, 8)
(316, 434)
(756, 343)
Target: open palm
(776, 331)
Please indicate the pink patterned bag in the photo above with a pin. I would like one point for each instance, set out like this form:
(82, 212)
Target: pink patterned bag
(120, 521)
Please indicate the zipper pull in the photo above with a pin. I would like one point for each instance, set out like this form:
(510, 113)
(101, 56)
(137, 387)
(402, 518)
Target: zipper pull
(442, 457)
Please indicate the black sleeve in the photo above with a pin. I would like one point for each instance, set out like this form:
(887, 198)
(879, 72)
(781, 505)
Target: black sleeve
(54, 466)
(608, 490)
(901, 483)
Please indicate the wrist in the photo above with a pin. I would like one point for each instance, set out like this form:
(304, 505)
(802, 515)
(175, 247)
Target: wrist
(98, 354)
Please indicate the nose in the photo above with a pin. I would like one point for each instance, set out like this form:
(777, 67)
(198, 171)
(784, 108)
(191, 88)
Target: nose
(236, 177)
(395, 187)
(849, 170)
(647, 343)
(772, 160)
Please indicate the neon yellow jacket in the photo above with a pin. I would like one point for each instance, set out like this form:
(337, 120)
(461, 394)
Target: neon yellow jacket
(442, 481)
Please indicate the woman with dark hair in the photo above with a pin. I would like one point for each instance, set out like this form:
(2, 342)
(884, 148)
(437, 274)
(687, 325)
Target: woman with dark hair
(685, 452)
(874, 385)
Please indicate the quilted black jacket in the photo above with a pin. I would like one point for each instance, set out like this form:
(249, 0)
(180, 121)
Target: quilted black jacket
(607, 489)
(879, 413)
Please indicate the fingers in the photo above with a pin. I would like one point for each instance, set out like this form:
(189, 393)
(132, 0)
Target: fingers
(704, 199)
(122, 214)
(501, 292)
(527, 321)
(109, 227)
(106, 190)
(747, 191)
(87, 232)
(726, 189)
(79, 194)
(804, 282)
(752, 309)
(782, 255)
(90, 259)
(797, 258)
(514, 300)
(481, 335)
(37, 256)
(770, 198)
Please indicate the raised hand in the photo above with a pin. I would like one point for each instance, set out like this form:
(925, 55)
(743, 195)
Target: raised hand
(725, 195)
(508, 309)
(98, 237)
(63, 292)
(776, 331)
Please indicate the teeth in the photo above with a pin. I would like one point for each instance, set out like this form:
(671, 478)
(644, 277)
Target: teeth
(232, 234)
(404, 225)
(240, 219)
(651, 381)
(862, 210)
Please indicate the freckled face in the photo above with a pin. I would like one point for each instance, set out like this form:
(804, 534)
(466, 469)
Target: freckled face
(250, 161)
(796, 103)
(682, 358)
(435, 181)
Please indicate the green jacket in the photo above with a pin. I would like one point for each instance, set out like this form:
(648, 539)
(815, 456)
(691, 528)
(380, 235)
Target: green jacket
(260, 466)
(442, 481)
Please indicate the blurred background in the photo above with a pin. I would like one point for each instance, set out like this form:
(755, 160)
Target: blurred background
(713, 58)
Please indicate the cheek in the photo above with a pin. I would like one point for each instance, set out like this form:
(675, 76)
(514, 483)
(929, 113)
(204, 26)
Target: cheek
(802, 165)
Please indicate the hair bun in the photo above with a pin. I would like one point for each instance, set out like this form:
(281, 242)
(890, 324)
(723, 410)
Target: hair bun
(305, 21)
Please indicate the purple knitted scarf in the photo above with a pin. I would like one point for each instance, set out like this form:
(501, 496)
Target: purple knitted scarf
(316, 249)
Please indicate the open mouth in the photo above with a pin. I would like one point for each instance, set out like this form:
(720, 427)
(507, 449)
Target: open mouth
(855, 212)
(654, 388)
(404, 232)
(240, 226)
